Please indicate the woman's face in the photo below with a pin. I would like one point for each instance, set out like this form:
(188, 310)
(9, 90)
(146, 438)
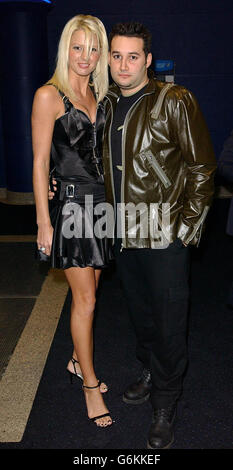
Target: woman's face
(79, 61)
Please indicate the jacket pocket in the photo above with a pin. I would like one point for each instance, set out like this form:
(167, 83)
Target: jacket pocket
(158, 170)
(198, 227)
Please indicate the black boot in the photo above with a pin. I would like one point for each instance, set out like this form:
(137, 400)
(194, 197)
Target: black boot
(161, 433)
(139, 391)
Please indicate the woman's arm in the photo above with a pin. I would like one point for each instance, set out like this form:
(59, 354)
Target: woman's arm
(46, 108)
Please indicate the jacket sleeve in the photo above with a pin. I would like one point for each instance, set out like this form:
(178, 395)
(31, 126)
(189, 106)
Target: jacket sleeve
(225, 162)
(197, 153)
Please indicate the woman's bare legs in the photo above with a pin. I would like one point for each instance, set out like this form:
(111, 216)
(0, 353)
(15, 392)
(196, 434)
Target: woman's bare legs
(83, 282)
(70, 366)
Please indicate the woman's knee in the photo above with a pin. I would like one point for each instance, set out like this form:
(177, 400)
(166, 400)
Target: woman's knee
(84, 303)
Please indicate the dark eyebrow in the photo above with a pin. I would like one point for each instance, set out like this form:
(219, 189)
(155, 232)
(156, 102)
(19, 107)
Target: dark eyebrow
(130, 53)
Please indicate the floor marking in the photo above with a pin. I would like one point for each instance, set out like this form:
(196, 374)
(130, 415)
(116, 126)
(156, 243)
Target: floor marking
(21, 378)
(17, 238)
(9, 296)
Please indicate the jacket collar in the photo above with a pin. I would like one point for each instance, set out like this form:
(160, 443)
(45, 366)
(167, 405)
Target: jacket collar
(152, 87)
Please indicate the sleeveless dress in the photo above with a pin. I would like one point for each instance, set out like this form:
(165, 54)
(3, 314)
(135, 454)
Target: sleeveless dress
(76, 150)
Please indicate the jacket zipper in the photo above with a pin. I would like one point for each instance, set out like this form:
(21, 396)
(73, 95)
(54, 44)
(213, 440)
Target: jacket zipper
(123, 158)
(123, 155)
(111, 169)
(158, 170)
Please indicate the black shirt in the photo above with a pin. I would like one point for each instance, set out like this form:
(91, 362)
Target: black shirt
(123, 105)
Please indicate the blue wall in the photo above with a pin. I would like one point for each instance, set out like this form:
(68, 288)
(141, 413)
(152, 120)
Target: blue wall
(197, 34)
(24, 66)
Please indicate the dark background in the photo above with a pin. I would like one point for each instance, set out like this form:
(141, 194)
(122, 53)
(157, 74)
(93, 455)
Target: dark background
(197, 34)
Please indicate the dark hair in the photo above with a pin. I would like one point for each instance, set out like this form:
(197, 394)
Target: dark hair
(132, 29)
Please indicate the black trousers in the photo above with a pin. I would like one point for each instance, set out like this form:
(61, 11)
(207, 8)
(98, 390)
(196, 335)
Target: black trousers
(156, 287)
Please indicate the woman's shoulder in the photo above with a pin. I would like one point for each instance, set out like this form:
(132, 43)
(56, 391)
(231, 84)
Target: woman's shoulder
(47, 92)
(49, 97)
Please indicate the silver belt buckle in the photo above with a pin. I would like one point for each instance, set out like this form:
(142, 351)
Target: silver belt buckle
(70, 190)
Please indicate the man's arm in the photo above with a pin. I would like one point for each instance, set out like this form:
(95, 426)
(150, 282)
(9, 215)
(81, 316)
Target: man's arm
(197, 151)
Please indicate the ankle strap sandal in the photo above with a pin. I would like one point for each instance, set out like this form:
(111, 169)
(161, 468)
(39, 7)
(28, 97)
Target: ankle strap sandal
(100, 416)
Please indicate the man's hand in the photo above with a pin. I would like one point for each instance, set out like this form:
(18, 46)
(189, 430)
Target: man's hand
(51, 193)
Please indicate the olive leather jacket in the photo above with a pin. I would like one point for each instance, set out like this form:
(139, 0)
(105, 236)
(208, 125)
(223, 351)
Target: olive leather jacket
(167, 159)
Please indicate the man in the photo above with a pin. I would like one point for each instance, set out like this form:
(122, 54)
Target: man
(156, 150)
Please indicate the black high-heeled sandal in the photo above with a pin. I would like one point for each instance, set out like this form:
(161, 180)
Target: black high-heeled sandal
(78, 374)
(75, 373)
(100, 416)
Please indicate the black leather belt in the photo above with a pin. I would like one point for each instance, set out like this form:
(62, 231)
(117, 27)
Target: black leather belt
(75, 191)
(67, 190)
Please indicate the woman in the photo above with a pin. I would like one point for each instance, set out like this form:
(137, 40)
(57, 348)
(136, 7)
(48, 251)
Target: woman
(67, 121)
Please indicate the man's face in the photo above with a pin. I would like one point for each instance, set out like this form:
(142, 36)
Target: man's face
(128, 63)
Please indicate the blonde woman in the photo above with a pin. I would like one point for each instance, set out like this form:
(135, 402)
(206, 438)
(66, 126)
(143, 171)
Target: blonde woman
(67, 123)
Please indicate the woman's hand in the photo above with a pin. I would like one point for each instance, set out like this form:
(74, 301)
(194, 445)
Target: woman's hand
(45, 238)
(51, 193)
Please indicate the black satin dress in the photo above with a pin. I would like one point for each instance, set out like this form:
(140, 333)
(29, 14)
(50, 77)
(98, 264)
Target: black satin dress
(76, 157)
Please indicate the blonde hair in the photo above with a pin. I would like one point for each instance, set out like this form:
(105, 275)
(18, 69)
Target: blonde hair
(90, 25)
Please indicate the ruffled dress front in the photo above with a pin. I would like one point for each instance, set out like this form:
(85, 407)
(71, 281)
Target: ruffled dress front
(76, 215)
